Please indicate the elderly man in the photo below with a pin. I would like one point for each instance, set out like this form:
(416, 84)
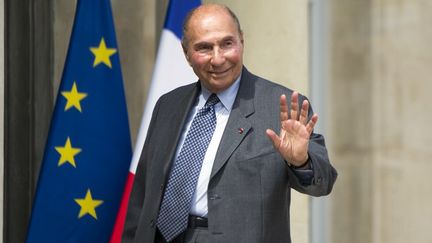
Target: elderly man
(212, 168)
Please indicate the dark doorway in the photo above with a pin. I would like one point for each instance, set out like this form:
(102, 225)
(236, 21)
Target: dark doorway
(28, 104)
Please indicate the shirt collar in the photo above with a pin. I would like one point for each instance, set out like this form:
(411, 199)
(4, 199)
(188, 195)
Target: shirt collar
(226, 97)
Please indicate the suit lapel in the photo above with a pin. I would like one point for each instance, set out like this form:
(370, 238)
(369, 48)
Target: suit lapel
(179, 113)
(238, 125)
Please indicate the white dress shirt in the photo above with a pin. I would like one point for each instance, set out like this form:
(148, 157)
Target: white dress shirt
(223, 110)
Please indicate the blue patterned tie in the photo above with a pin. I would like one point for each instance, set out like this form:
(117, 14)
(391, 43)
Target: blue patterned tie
(177, 200)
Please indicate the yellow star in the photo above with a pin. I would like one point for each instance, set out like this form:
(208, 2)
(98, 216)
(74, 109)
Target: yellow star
(88, 205)
(73, 98)
(67, 153)
(102, 54)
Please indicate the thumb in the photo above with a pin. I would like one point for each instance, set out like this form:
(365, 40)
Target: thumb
(274, 138)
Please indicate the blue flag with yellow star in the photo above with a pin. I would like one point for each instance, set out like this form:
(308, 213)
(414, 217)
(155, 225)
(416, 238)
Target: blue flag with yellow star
(88, 150)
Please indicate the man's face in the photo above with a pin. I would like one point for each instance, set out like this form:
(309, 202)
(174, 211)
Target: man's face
(214, 48)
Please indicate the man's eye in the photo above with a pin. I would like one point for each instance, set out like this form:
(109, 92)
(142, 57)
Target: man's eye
(227, 44)
(203, 48)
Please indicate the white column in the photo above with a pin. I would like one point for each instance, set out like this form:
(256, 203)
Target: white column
(318, 40)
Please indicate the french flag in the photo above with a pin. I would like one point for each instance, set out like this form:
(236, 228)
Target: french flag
(171, 71)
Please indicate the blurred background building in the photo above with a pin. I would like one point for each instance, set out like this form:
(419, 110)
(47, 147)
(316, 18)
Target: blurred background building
(365, 64)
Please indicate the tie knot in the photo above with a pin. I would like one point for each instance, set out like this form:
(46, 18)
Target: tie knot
(212, 100)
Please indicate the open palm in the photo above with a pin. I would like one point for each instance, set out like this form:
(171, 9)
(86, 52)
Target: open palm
(293, 139)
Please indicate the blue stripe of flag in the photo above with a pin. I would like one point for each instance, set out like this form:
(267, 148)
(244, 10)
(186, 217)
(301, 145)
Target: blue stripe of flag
(177, 11)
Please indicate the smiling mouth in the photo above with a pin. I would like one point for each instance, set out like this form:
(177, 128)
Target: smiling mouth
(219, 73)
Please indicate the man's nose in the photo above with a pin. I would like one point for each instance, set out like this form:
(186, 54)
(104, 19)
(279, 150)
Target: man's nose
(218, 57)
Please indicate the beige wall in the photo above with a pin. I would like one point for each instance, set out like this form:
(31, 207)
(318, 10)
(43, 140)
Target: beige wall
(380, 112)
(349, 120)
(402, 85)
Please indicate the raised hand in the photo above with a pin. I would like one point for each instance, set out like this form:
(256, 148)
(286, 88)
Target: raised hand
(293, 139)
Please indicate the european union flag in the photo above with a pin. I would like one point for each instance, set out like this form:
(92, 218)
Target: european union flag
(88, 151)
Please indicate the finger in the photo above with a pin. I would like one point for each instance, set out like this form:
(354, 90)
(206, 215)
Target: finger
(294, 105)
(311, 124)
(304, 112)
(283, 108)
(274, 138)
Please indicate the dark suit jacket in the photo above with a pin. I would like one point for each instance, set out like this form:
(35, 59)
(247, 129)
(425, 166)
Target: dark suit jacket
(250, 183)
